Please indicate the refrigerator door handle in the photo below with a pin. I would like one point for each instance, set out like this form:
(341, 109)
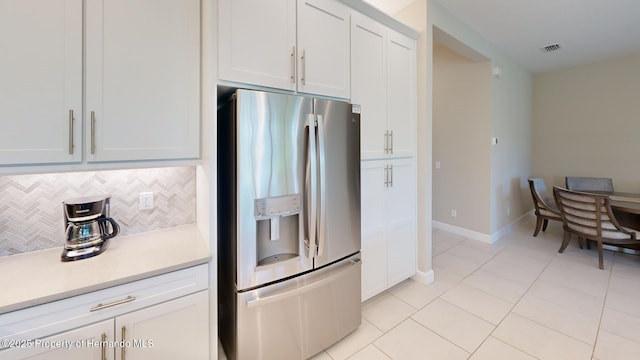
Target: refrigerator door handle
(323, 186)
(344, 270)
(312, 204)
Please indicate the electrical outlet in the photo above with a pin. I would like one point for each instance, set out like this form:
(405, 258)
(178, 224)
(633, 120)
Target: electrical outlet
(145, 200)
(454, 213)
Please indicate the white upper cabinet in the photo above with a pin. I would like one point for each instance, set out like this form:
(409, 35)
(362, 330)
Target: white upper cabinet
(257, 42)
(323, 48)
(40, 81)
(260, 44)
(369, 82)
(383, 74)
(142, 79)
(401, 94)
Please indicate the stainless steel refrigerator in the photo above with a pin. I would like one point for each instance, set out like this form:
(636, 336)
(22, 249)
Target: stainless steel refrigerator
(288, 224)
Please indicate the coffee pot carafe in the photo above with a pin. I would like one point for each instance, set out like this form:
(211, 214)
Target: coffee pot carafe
(88, 227)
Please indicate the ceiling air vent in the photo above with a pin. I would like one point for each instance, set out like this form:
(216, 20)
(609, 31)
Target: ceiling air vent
(550, 48)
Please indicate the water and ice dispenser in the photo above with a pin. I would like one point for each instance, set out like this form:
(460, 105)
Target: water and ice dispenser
(277, 228)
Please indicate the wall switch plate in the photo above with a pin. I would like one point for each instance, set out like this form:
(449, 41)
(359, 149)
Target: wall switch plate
(454, 213)
(437, 164)
(145, 200)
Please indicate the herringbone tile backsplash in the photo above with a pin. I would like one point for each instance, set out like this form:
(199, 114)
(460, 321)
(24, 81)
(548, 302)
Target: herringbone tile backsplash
(32, 217)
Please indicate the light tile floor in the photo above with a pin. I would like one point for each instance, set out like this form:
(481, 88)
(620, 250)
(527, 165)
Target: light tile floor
(515, 299)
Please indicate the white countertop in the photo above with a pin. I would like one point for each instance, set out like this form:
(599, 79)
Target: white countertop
(39, 277)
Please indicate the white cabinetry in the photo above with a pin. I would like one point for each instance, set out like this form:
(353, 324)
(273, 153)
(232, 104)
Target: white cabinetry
(383, 64)
(383, 82)
(388, 224)
(142, 81)
(41, 81)
(78, 344)
(177, 329)
(260, 44)
(142, 78)
(162, 317)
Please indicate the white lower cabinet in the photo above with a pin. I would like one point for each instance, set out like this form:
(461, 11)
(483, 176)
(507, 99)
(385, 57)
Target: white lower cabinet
(177, 329)
(158, 318)
(83, 343)
(388, 224)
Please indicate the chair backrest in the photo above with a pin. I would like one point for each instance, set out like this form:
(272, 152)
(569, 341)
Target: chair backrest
(589, 216)
(579, 183)
(541, 197)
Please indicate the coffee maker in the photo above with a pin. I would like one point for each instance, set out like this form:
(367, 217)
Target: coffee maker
(88, 227)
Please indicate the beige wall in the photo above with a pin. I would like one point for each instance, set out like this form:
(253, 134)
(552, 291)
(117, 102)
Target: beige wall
(587, 122)
(511, 119)
(461, 127)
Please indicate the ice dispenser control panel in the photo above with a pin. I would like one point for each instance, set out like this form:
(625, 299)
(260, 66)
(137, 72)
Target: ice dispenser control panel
(275, 207)
(286, 205)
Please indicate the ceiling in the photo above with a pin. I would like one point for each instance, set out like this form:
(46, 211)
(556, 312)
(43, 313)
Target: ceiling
(586, 30)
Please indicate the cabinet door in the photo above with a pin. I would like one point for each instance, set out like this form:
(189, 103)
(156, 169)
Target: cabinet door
(84, 343)
(400, 221)
(374, 246)
(323, 48)
(257, 42)
(369, 83)
(41, 81)
(176, 329)
(401, 84)
(142, 79)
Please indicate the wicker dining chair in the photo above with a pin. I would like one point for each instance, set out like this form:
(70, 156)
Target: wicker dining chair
(589, 216)
(545, 205)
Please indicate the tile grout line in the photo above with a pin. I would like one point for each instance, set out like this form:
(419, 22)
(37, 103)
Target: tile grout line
(513, 307)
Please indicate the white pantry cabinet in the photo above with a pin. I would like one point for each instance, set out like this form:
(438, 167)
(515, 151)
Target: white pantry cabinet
(383, 73)
(388, 223)
(40, 81)
(142, 80)
(293, 45)
(162, 317)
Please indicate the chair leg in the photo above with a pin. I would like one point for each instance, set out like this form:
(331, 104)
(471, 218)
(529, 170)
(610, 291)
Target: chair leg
(588, 244)
(544, 224)
(538, 225)
(565, 241)
(600, 264)
(580, 241)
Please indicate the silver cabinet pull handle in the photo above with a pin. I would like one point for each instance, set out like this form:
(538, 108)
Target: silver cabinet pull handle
(386, 142)
(93, 132)
(124, 337)
(70, 132)
(113, 303)
(103, 348)
(391, 146)
(293, 65)
(386, 176)
(304, 67)
(391, 171)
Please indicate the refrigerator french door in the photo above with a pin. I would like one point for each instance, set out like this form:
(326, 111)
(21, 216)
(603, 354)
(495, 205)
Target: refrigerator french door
(289, 224)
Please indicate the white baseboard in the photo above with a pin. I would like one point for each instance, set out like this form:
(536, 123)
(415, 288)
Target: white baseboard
(425, 278)
(462, 231)
(490, 239)
(507, 229)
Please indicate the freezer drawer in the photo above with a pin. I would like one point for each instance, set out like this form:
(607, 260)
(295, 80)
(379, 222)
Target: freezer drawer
(299, 317)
